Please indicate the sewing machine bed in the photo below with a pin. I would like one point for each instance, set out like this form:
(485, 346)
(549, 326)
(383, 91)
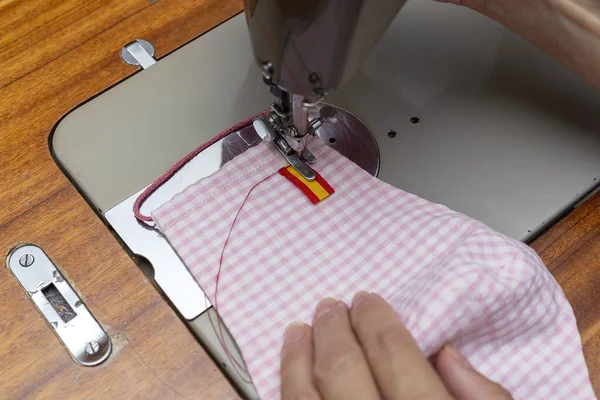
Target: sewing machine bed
(484, 123)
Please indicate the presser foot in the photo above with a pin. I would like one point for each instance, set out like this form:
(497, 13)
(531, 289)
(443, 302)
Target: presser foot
(338, 128)
(296, 158)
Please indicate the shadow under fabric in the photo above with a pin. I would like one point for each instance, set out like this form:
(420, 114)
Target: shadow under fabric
(449, 277)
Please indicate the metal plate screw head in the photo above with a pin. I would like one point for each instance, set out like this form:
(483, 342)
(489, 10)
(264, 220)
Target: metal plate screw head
(267, 69)
(26, 260)
(129, 58)
(92, 347)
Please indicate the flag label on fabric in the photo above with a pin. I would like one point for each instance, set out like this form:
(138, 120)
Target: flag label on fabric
(316, 190)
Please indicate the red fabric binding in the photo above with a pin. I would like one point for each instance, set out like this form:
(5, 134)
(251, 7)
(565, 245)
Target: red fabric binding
(173, 170)
(324, 183)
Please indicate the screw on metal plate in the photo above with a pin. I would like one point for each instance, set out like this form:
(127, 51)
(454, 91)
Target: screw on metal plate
(267, 70)
(26, 260)
(91, 348)
(139, 52)
(59, 304)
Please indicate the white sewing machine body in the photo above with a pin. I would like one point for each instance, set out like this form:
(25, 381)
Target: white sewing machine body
(464, 113)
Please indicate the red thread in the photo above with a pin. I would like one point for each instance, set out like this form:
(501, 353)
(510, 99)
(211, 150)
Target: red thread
(218, 277)
(220, 335)
(173, 170)
(234, 363)
(169, 174)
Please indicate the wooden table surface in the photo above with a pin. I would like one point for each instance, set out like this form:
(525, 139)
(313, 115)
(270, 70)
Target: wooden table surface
(55, 54)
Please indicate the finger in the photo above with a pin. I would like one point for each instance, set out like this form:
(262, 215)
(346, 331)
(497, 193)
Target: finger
(400, 368)
(463, 380)
(341, 370)
(296, 364)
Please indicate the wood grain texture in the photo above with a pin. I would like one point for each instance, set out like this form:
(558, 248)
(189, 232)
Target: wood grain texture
(53, 56)
(56, 54)
(571, 251)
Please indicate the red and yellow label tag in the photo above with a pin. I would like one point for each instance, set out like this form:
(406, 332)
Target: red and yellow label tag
(316, 190)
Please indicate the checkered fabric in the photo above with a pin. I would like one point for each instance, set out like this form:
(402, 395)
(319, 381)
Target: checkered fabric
(449, 278)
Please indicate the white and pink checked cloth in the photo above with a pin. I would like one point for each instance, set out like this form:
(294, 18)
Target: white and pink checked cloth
(449, 278)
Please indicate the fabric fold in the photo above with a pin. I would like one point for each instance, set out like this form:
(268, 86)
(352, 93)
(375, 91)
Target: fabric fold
(449, 277)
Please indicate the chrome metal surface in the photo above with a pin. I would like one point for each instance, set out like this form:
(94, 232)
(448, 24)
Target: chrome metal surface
(495, 141)
(26, 260)
(92, 348)
(312, 46)
(265, 129)
(139, 52)
(315, 124)
(169, 272)
(267, 70)
(308, 156)
(345, 133)
(307, 49)
(298, 164)
(299, 115)
(64, 311)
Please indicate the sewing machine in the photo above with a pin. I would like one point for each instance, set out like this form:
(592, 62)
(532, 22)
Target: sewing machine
(306, 50)
(447, 105)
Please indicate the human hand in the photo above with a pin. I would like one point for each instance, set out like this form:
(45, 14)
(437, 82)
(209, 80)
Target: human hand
(495, 9)
(568, 30)
(366, 353)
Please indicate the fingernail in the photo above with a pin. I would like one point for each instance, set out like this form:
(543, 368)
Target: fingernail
(458, 357)
(294, 332)
(324, 307)
(359, 298)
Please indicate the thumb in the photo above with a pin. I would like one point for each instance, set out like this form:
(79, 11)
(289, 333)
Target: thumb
(462, 380)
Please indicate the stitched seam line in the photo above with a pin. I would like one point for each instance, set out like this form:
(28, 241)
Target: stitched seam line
(212, 196)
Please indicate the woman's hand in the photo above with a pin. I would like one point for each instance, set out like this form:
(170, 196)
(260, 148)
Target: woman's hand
(568, 30)
(366, 353)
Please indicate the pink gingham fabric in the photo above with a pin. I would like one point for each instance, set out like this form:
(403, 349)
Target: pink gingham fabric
(449, 277)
